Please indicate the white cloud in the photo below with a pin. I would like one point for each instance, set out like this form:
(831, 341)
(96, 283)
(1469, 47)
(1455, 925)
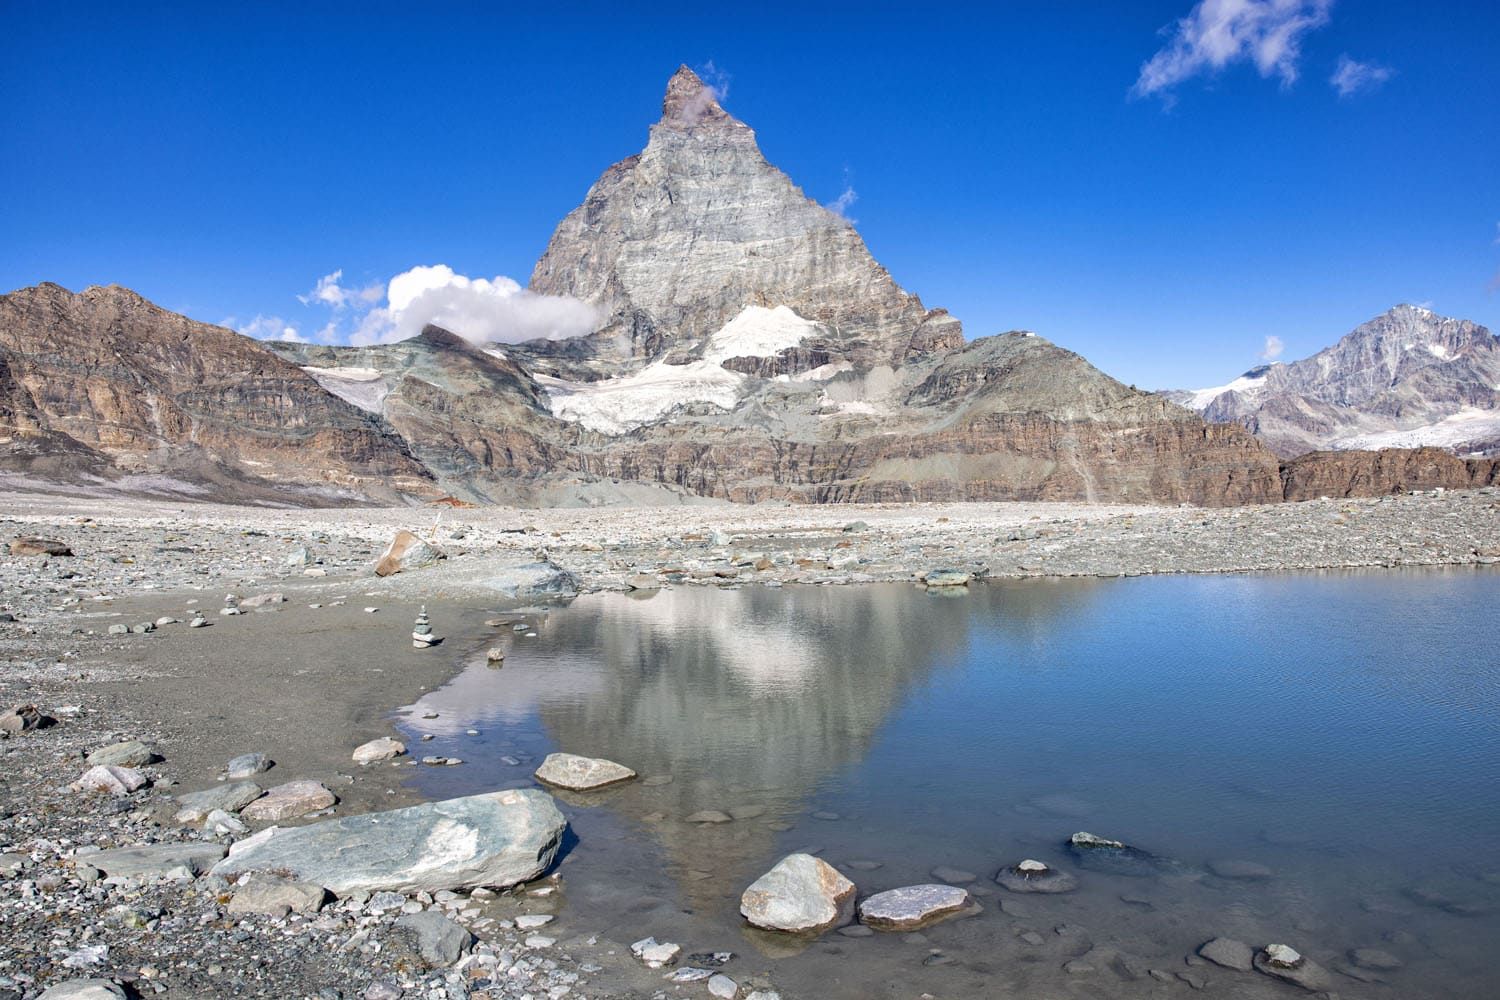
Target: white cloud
(483, 310)
(1273, 349)
(715, 88)
(329, 292)
(267, 328)
(1219, 33)
(1354, 77)
(840, 206)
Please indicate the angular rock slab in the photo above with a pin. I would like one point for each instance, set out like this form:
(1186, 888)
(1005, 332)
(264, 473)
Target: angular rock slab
(440, 940)
(276, 896)
(156, 859)
(195, 806)
(111, 780)
(132, 753)
(801, 895)
(581, 774)
(913, 907)
(288, 801)
(405, 552)
(1302, 971)
(494, 840)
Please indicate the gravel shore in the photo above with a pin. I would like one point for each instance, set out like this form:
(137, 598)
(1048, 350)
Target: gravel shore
(306, 678)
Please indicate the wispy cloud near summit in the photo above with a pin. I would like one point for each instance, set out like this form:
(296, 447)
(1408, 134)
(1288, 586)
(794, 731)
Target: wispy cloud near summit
(1220, 33)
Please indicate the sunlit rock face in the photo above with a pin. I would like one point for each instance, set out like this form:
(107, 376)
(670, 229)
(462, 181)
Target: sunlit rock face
(675, 241)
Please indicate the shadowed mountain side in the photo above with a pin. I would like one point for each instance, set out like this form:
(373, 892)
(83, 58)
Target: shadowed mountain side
(104, 383)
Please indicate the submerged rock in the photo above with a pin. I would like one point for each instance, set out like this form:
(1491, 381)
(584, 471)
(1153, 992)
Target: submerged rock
(1286, 963)
(801, 895)
(496, 840)
(581, 774)
(1034, 876)
(1229, 953)
(1241, 871)
(1114, 857)
(913, 907)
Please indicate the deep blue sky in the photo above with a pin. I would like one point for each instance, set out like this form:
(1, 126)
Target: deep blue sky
(219, 162)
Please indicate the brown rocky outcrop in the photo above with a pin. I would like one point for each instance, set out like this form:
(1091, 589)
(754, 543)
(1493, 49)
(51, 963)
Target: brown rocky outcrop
(1381, 473)
(104, 379)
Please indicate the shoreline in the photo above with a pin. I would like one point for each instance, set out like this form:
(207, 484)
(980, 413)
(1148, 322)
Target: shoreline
(306, 684)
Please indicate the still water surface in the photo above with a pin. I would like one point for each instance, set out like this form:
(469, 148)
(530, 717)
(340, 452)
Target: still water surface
(1342, 730)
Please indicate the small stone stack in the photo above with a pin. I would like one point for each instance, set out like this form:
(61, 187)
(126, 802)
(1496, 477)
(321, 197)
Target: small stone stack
(231, 605)
(421, 632)
(198, 620)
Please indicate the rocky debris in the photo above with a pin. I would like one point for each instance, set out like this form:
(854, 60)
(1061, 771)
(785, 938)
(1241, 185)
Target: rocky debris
(23, 719)
(276, 896)
(581, 774)
(84, 989)
(440, 941)
(801, 895)
(913, 907)
(534, 581)
(654, 953)
(407, 552)
(27, 546)
(288, 801)
(1285, 962)
(1035, 876)
(497, 839)
(158, 859)
(384, 748)
(1229, 953)
(110, 780)
(247, 765)
(194, 806)
(421, 631)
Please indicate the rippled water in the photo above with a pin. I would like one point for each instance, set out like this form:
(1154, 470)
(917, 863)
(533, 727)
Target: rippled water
(1342, 730)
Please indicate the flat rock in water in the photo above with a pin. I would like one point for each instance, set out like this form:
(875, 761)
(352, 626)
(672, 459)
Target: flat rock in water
(374, 751)
(1374, 958)
(288, 801)
(157, 859)
(802, 895)
(912, 907)
(1229, 953)
(953, 876)
(1032, 876)
(581, 774)
(947, 578)
(440, 940)
(1276, 960)
(83, 989)
(494, 840)
(131, 753)
(194, 807)
(276, 896)
(110, 780)
(710, 816)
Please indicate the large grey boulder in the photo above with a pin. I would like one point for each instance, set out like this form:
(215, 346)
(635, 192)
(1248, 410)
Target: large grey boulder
(440, 941)
(405, 552)
(581, 774)
(913, 907)
(802, 895)
(132, 753)
(157, 859)
(83, 989)
(535, 581)
(194, 807)
(496, 839)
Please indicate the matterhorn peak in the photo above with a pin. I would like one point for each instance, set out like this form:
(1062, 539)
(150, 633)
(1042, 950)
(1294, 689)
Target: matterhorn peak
(689, 101)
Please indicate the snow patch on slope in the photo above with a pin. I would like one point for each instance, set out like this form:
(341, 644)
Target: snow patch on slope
(617, 405)
(363, 387)
(1468, 425)
(1202, 397)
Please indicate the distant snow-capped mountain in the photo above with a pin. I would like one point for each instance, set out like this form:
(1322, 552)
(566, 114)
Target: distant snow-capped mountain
(1408, 378)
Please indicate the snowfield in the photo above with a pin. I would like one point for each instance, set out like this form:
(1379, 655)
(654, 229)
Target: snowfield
(363, 387)
(618, 405)
(1468, 425)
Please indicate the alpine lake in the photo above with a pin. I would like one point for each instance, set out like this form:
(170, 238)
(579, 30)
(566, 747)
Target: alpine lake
(1309, 759)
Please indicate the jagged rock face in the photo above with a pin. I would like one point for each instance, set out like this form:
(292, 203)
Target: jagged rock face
(1378, 473)
(107, 377)
(474, 417)
(1407, 378)
(676, 241)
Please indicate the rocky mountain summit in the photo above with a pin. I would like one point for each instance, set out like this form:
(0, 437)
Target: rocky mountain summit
(749, 349)
(1408, 378)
